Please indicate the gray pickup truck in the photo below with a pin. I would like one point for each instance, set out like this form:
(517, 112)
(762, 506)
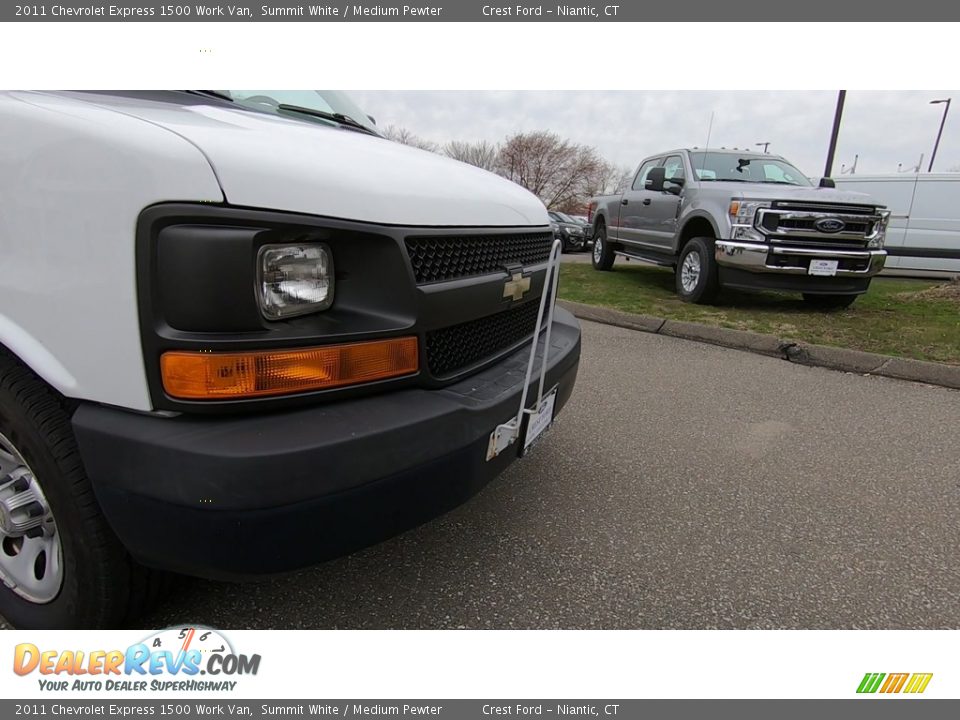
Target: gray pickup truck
(728, 218)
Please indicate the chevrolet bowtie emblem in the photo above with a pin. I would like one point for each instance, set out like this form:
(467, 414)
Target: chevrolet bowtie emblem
(516, 287)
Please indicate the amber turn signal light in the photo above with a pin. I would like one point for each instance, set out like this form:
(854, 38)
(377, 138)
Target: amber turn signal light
(237, 375)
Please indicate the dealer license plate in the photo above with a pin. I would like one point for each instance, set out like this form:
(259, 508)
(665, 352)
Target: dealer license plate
(823, 267)
(539, 420)
(520, 437)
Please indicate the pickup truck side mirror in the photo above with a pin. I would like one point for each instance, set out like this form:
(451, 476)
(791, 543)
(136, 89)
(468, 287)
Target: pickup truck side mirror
(655, 179)
(826, 182)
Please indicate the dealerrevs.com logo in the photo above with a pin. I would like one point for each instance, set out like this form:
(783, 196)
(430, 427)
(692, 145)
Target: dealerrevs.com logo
(892, 683)
(178, 659)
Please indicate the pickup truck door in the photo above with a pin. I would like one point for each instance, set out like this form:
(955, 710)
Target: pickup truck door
(633, 226)
(660, 227)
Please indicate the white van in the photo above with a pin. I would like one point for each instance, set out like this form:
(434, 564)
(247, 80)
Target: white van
(242, 333)
(923, 237)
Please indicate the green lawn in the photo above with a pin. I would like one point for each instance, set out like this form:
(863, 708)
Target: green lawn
(910, 318)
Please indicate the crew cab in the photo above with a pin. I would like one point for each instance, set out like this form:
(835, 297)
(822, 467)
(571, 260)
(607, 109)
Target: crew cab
(728, 218)
(241, 333)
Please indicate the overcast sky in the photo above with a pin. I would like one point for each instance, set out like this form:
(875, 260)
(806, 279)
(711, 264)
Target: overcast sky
(884, 128)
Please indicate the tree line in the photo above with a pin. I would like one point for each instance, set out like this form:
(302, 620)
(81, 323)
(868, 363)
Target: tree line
(563, 174)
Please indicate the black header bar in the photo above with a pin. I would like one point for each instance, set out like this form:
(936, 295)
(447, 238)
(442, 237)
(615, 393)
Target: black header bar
(857, 12)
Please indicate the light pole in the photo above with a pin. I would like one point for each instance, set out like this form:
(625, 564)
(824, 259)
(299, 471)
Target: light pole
(943, 121)
(765, 146)
(837, 115)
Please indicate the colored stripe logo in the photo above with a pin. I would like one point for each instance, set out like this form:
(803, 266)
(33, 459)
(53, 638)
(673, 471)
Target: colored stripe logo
(913, 683)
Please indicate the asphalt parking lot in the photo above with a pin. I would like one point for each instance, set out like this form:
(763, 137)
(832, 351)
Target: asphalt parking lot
(684, 486)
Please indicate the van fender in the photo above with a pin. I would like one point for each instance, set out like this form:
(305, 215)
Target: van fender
(35, 356)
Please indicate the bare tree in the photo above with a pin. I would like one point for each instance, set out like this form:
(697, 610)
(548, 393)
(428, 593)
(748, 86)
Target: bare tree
(606, 179)
(480, 153)
(405, 137)
(561, 173)
(619, 179)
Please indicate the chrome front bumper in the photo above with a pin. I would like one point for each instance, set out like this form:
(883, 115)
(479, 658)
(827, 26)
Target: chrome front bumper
(756, 257)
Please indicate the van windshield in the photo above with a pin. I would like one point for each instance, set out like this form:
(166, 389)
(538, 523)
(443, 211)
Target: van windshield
(731, 167)
(331, 102)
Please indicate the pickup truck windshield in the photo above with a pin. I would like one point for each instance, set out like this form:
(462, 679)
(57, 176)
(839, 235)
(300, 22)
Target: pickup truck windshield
(323, 102)
(731, 167)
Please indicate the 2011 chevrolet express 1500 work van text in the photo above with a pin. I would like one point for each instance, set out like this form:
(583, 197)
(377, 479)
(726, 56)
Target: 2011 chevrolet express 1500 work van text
(728, 218)
(241, 333)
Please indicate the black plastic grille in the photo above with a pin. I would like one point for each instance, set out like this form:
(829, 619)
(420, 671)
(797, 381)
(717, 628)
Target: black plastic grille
(459, 346)
(447, 258)
(854, 264)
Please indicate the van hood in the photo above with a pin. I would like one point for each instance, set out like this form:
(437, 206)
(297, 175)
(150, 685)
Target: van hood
(762, 191)
(267, 161)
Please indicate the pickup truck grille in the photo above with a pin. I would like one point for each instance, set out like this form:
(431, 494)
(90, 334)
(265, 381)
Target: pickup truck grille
(802, 224)
(457, 347)
(439, 258)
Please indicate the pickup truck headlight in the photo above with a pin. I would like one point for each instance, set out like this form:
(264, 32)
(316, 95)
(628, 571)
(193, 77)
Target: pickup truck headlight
(880, 232)
(294, 279)
(743, 215)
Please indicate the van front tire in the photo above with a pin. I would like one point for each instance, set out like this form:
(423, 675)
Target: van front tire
(82, 577)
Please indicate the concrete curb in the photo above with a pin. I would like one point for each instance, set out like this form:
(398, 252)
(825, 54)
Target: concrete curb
(834, 358)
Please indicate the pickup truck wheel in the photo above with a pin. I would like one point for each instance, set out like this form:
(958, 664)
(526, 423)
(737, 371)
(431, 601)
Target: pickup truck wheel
(696, 274)
(603, 255)
(829, 302)
(60, 564)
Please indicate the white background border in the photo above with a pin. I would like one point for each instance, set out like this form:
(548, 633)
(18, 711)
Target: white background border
(518, 664)
(450, 664)
(466, 56)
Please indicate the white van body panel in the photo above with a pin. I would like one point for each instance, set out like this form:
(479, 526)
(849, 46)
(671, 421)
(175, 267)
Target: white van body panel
(925, 214)
(83, 166)
(267, 161)
(73, 179)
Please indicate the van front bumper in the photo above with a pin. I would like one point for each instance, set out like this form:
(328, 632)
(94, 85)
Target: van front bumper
(240, 496)
(772, 266)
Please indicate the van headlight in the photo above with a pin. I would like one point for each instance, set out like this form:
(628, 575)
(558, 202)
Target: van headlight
(294, 279)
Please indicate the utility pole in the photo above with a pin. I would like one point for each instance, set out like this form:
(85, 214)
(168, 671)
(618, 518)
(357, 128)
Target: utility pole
(841, 98)
(765, 146)
(943, 121)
